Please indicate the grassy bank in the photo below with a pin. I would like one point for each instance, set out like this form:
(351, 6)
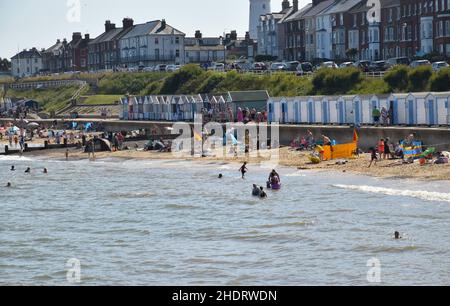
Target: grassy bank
(192, 79)
(50, 100)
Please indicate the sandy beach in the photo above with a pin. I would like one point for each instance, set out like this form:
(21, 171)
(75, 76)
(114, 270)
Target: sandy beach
(288, 158)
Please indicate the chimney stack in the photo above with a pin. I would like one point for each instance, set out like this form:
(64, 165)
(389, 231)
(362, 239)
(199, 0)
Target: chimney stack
(285, 5)
(198, 34)
(127, 23)
(109, 26)
(76, 36)
(87, 37)
(295, 8)
(163, 24)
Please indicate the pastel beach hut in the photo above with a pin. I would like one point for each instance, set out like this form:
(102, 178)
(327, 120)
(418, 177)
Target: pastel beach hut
(411, 109)
(420, 104)
(314, 110)
(397, 106)
(358, 109)
(152, 102)
(296, 113)
(436, 108)
(146, 108)
(329, 111)
(123, 112)
(344, 109)
(140, 109)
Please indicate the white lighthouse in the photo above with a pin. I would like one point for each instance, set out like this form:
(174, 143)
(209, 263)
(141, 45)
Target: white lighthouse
(257, 8)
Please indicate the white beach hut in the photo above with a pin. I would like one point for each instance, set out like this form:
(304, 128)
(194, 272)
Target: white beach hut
(421, 107)
(314, 109)
(436, 108)
(358, 109)
(397, 106)
(344, 109)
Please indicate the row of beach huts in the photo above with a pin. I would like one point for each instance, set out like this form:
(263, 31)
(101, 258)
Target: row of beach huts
(425, 108)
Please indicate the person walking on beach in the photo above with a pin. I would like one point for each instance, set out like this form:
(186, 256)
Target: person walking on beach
(374, 156)
(381, 148)
(243, 170)
(67, 154)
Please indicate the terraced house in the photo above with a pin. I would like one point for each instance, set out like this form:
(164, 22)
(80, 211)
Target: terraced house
(152, 43)
(329, 29)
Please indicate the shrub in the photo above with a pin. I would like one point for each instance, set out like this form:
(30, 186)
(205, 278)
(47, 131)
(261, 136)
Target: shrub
(176, 80)
(441, 81)
(419, 78)
(397, 78)
(336, 81)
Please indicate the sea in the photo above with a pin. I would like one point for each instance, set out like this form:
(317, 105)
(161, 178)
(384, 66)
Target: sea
(172, 222)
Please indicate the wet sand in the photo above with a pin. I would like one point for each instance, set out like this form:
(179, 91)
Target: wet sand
(288, 157)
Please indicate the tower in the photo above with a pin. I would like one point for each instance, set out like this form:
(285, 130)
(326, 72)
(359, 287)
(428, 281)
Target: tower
(257, 8)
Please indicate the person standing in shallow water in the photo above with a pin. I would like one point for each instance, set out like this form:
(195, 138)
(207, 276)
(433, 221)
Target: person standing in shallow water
(243, 170)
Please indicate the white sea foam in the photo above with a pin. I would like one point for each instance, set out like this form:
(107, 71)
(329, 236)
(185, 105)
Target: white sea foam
(419, 194)
(13, 158)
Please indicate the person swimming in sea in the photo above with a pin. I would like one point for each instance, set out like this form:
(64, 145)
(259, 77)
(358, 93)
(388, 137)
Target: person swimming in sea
(397, 236)
(220, 176)
(262, 193)
(28, 170)
(13, 168)
(243, 170)
(256, 191)
(274, 179)
(45, 171)
(8, 185)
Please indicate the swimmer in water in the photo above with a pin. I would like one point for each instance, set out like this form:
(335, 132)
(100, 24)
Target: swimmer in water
(397, 236)
(256, 192)
(13, 168)
(220, 176)
(28, 170)
(45, 171)
(8, 185)
(243, 170)
(262, 193)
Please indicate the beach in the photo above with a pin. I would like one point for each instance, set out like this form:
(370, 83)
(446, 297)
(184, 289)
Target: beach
(287, 157)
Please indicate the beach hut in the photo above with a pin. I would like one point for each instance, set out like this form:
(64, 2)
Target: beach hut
(411, 109)
(358, 110)
(296, 110)
(314, 109)
(421, 108)
(397, 107)
(146, 108)
(140, 109)
(344, 109)
(123, 114)
(436, 108)
(329, 111)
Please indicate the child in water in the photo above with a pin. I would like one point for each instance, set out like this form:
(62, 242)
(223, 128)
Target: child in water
(243, 170)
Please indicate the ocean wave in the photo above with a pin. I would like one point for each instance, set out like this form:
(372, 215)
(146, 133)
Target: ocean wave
(133, 195)
(14, 158)
(419, 194)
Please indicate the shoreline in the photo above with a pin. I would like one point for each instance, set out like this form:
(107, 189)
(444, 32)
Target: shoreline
(392, 169)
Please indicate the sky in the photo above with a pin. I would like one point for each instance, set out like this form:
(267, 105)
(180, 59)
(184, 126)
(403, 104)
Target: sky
(38, 23)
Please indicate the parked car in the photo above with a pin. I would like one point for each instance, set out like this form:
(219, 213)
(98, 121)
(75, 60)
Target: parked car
(292, 66)
(173, 68)
(307, 67)
(378, 66)
(346, 64)
(392, 62)
(363, 65)
(304, 68)
(160, 68)
(330, 64)
(436, 66)
(217, 67)
(259, 67)
(148, 69)
(278, 67)
(418, 63)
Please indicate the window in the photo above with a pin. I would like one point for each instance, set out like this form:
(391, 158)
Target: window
(177, 40)
(156, 41)
(177, 53)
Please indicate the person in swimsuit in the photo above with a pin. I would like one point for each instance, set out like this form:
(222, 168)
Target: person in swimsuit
(256, 191)
(274, 178)
(243, 170)
(262, 193)
(8, 185)
(13, 168)
(28, 170)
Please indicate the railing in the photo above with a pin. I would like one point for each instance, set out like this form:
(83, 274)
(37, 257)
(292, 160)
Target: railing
(150, 58)
(46, 84)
